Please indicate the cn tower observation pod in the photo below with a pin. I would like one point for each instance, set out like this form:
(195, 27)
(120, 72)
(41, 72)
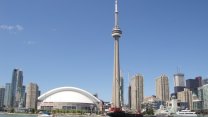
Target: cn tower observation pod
(67, 98)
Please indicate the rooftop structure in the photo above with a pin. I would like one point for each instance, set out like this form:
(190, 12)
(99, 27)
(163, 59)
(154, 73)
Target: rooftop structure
(179, 79)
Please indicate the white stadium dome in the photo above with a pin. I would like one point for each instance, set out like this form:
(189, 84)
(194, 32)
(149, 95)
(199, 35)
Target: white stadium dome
(63, 97)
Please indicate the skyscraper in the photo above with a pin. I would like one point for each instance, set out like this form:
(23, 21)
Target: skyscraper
(121, 90)
(116, 33)
(129, 96)
(199, 81)
(179, 82)
(193, 85)
(162, 88)
(16, 87)
(7, 96)
(32, 95)
(136, 92)
(23, 97)
(186, 97)
(2, 92)
(203, 96)
(179, 79)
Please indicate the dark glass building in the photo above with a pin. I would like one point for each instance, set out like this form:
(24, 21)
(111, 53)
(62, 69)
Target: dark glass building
(16, 87)
(198, 81)
(178, 89)
(2, 92)
(193, 85)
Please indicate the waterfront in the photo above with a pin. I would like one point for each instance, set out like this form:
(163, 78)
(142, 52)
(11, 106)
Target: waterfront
(35, 115)
(25, 115)
(28, 115)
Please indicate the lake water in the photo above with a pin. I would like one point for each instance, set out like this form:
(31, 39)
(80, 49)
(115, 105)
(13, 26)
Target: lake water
(16, 115)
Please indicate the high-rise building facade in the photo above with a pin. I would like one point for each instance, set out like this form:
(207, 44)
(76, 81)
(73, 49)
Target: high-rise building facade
(39, 93)
(203, 96)
(23, 97)
(186, 97)
(178, 89)
(122, 90)
(129, 96)
(2, 92)
(16, 87)
(162, 88)
(179, 83)
(179, 79)
(7, 96)
(136, 92)
(32, 95)
(192, 85)
(199, 81)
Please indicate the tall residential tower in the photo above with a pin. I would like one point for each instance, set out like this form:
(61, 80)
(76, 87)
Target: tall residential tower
(121, 90)
(32, 96)
(2, 92)
(116, 34)
(16, 87)
(136, 93)
(162, 88)
(7, 96)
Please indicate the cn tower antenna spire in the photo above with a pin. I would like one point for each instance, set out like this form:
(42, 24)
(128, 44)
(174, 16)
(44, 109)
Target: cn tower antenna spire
(116, 30)
(116, 6)
(116, 14)
(116, 34)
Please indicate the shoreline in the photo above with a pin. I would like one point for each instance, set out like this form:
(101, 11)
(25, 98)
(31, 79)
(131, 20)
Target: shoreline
(56, 115)
(6, 113)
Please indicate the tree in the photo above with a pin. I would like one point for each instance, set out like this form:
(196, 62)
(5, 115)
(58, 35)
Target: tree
(149, 111)
(11, 110)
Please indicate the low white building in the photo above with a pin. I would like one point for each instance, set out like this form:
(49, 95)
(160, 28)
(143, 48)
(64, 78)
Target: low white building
(68, 98)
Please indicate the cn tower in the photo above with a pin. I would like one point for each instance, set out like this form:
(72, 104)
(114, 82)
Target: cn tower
(116, 34)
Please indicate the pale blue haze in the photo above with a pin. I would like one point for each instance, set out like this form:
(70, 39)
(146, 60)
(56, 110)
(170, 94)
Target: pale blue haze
(68, 42)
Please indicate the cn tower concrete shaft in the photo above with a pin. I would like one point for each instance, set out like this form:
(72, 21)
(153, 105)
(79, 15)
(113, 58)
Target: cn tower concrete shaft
(116, 34)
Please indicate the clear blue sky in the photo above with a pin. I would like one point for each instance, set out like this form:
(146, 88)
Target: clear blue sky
(68, 42)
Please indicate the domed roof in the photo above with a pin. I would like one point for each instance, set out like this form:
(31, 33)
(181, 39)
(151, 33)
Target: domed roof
(68, 94)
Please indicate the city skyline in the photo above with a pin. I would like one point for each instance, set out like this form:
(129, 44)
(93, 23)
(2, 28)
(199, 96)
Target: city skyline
(66, 43)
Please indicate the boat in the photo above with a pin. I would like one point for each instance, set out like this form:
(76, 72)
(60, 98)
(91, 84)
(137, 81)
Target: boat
(115, 112)
(186, 113)
(118, 112)
(162, 111)
(45, 114)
